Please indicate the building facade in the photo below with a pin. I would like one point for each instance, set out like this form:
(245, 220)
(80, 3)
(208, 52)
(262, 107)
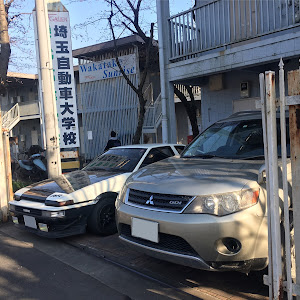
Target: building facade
(222, 46)
(21, 110)
(105, 100)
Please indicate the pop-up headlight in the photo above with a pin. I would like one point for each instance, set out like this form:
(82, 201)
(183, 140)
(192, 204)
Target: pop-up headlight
(58, 203)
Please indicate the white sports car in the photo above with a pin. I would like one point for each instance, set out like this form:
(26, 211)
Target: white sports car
(68, 204)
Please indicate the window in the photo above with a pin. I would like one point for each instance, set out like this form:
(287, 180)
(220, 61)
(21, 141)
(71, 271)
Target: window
(122, 159)
(232, 139)
(179, 148)
(157, 154)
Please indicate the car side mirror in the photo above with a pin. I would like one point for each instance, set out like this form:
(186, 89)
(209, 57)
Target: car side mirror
(262, 175)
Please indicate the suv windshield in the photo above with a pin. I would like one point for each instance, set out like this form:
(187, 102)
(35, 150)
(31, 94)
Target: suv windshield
(231, 139)
(122, 159)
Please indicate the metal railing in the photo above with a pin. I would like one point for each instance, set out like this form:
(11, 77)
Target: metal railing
(153, 115)
(157, 111)
(149, 117)
(11, 118)
(196, 90)
(223, 22)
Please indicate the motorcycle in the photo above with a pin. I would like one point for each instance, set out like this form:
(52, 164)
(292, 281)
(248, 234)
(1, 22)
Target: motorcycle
(32, 168)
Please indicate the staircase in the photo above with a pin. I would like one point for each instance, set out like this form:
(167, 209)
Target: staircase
(153, 114)
(11, 118)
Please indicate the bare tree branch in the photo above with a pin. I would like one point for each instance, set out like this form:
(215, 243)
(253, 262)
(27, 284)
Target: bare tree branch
(121, 12)
(8, 4)
(148, 48)
(190, 107)
(138, 5)
(117, 57)
(127, 27)
(130, 4)
(11, 19)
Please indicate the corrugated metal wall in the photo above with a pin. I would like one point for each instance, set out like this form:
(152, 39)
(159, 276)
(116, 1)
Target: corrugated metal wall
(107, 105)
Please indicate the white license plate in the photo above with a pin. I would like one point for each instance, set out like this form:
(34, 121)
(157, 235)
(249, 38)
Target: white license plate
(30, 222)
(147, 230)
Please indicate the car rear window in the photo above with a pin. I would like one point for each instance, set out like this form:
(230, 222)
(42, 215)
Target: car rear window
(121, 159)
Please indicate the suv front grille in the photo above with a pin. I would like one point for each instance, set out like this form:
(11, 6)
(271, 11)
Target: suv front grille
(167, 242)
(164, 202)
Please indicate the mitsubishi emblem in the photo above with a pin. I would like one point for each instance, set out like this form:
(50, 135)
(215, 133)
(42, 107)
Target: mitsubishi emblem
(150, 200)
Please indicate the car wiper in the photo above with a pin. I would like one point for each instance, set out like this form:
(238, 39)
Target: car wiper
(253, 157)
(203, 156)
(94, 169)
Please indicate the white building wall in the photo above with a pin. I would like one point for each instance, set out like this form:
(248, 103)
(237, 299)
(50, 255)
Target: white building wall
(217, 105)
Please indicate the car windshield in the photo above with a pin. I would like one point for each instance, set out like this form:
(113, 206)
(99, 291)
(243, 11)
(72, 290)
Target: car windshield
(122, 159)
(231, 139)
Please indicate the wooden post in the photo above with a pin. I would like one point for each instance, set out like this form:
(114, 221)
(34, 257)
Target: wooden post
(3, 185)
(294, 111)
(7, 155)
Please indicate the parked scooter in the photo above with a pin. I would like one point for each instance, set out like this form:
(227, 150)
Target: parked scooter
(33, 168)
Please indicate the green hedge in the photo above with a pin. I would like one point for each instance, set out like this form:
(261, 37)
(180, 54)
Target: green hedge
(19, 184)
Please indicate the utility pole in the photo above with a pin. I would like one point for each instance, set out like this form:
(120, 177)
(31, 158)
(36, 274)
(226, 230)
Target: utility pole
(167, 90)
(46, 81)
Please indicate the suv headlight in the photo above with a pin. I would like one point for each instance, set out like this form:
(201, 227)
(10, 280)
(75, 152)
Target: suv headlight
(223, 204)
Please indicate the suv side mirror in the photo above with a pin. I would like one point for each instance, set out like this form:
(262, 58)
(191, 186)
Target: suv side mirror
(262, 175)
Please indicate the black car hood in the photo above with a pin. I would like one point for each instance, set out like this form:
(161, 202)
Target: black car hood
(70, 182)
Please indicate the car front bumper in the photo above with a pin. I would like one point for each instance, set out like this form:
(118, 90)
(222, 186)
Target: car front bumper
(73, 223)
(198, 240)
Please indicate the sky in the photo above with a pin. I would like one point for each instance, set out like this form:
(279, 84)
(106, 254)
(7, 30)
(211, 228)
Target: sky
(23, 55)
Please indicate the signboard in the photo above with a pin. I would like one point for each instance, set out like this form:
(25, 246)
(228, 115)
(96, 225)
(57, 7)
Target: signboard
(65, 93)
(106, 69)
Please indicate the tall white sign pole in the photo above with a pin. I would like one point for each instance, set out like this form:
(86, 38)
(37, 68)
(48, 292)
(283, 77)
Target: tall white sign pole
(167, 91)
(46, 81)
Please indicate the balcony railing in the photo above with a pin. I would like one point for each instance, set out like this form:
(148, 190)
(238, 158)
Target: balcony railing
(224, 22)
(11, 118)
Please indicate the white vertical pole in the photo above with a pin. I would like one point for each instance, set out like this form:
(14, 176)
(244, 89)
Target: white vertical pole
(47, 85)
(265, 137)
(168, 115)
(40, 94)
(273, 182)
(285, 182)
(161, 33)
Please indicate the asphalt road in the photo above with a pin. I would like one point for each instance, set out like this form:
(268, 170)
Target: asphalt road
(27, 273)
(32, 267)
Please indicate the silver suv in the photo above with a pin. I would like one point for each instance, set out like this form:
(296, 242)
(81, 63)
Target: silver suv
(207, 208)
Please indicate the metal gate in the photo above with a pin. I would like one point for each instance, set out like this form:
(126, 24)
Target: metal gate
(108, 105)
(283, 215)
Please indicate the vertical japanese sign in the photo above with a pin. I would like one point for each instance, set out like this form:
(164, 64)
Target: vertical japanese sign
(65, 93)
